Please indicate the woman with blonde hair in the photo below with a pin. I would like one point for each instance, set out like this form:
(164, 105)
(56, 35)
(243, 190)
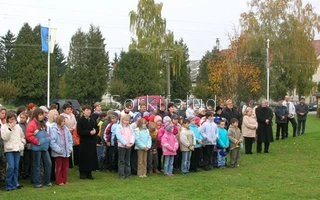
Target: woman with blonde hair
(52, 115)
(249, 127)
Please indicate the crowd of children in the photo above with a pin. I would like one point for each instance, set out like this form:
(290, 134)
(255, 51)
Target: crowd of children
(50, 143)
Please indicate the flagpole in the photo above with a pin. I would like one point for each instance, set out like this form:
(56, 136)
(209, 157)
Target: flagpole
(48, 86)
(268, 71)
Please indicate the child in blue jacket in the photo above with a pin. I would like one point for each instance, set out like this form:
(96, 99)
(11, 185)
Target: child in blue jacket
(142, 145)
(223, 144)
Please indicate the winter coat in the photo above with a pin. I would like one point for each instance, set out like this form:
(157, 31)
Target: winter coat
(197, 135)
(87, 151)
(56, 143)
(169, 143)
(281, 111)
(124, 135)
(249, 126)
(161, 132)
(142, 139)
(14, 139)
(235, 135)
(39, 139)
(302, 108)
(223, 141)
(187, 139)
(209, 132)
(228, 114)
(264, 131)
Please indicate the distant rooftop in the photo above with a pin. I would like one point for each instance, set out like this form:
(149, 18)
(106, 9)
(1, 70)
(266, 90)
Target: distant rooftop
(316, 44)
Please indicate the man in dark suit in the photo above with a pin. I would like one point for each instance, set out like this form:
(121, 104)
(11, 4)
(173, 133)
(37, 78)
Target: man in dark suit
(302, 111)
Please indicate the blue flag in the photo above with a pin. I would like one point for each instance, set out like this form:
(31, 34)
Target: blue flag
(44, 38)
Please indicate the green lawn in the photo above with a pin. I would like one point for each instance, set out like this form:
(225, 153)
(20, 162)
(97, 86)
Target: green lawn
(289, 171)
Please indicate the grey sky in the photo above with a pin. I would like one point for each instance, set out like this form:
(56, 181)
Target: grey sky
(198, 22)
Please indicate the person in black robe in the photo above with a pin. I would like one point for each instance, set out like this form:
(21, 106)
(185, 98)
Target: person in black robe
(87, 129)
(264, 116)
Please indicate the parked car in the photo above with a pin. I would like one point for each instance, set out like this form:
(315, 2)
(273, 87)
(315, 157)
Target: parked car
(312, 107)
(152, 101)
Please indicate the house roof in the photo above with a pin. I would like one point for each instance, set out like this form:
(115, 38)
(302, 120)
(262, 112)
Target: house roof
(316, 44)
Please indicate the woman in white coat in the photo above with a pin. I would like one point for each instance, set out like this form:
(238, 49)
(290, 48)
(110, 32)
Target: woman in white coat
(249, 127)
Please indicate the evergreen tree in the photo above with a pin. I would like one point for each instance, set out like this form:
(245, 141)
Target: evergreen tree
(61, 62)
(87, 74)
(6, 53)
(138, 73)
(30, 67)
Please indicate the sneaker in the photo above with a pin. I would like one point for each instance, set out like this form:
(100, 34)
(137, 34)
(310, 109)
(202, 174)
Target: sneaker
(144, 176)
(38, 186)
(61, 184)
(49, 185)
(141, 176)
(157, 171)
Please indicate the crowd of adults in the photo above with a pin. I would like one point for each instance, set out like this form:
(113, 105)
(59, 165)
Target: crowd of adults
(41, 144)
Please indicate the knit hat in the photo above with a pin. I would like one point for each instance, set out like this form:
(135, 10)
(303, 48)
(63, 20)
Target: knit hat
(146, 118)
(157, 118)
(114, 114)
(197, 120)
(136, 116)
(44, 109)
(166, 119)
(151, 118)
(191, 118)
(168, 126)
(146, 114)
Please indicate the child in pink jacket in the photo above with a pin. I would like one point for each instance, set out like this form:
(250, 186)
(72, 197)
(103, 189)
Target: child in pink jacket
(170, 145)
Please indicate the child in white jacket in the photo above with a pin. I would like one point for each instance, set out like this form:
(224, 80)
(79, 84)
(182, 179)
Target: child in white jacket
(14, 141)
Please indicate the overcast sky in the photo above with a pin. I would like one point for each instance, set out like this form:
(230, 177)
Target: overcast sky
(198, 22)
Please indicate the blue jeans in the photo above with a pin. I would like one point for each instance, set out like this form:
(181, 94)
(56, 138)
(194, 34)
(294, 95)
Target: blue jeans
(100, 157)
(13, 170)
(185, 161)
(37, 157)
(168, 164)
(221, 159)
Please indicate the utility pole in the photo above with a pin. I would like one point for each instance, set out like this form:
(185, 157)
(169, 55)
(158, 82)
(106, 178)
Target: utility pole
(168, 75)
(48, 81)
(268, 70)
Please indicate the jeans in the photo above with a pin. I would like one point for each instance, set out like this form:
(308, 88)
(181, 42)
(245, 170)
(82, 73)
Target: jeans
(100, 157)
(185, 161)
(168, 164)
(221, 159)
(37, 156)
(124, 169)
(13, 159)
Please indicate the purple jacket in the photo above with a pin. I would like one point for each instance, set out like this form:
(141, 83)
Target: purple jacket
(169, 143)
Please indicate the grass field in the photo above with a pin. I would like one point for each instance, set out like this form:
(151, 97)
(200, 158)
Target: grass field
(290, 171)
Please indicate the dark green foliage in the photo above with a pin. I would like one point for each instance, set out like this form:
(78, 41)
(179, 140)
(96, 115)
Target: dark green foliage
(87, 74)
(139, 74)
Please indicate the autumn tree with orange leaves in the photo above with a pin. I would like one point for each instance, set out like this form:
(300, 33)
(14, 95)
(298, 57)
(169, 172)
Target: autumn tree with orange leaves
(233, 76)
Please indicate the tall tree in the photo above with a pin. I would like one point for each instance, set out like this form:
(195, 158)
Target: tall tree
(61, 62)
(180, 79)
(6, 53)
(138, 73)
(87, 73)
(149, 27)
(290, 25)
